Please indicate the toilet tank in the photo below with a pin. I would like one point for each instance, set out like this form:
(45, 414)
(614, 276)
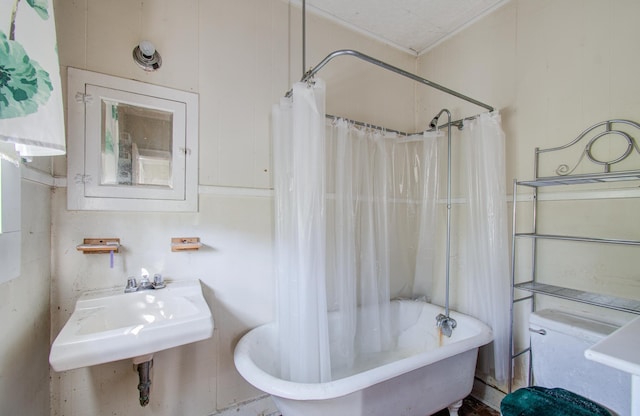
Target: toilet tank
(558, 359)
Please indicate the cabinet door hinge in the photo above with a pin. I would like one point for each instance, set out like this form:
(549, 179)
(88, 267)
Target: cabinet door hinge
(84, 98)
(80, 178)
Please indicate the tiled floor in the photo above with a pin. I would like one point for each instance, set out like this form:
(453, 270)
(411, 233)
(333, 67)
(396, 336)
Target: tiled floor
(472, 407)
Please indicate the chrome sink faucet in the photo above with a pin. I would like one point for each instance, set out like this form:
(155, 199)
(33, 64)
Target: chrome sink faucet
(145, 283)
(446, 324)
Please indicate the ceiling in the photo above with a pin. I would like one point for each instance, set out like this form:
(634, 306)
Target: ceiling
(414, 25)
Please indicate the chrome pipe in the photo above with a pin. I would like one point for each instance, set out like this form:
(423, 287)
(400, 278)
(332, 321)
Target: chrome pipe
(580, 239)
(445, 323)
(368, 125)
(350, 52)
(526, 350)
(433, 124)
(513, 284)
(523, 299)
(304, 37)
(456, 123)
(448, 267)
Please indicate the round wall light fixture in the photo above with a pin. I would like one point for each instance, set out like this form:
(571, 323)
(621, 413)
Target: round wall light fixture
(146, 56)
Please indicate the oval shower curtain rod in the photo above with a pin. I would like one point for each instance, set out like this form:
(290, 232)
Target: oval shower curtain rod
(350, 52)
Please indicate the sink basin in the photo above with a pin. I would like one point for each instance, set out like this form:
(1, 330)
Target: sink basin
(620, 351)
(111, 325)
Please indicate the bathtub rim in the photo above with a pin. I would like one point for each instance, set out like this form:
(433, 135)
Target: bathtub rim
(270, 384)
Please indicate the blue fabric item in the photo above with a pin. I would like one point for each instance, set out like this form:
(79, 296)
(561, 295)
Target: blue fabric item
(540, 401)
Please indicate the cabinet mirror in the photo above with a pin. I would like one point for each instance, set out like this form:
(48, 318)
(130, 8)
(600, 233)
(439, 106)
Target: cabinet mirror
(133, 146)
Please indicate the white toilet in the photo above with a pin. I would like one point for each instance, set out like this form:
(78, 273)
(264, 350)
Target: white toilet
(558, 342)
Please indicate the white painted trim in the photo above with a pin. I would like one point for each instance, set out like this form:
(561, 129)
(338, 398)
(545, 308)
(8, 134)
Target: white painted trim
(235, 191)
(564, 196)
(61, 182)
(487, 394)
(37, 176)
(621, 193)
(261, 406)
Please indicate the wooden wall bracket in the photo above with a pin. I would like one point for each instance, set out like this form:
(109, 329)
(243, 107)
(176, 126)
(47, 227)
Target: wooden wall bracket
(99, 245)
(185, 243)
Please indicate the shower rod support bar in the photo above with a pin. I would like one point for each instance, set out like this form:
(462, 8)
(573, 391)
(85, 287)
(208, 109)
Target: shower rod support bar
(456, 123)
(350, 52)
(368, 125)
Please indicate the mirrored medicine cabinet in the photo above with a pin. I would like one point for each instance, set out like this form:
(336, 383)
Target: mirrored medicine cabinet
(132, 146)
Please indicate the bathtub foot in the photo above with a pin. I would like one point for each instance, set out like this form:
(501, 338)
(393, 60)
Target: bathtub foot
(453, 409)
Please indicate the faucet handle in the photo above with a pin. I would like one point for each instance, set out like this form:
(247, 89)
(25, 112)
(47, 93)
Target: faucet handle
(132, 286)
(158, 281)
(445, 324)
(145, 283)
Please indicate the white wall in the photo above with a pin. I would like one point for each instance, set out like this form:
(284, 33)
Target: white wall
(240, 56)
(552, 68)
(24, 307)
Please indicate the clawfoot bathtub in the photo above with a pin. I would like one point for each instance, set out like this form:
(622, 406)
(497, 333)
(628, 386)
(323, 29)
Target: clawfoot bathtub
(423, 374)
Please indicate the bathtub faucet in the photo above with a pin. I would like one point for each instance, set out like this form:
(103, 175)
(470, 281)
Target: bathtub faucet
(446, 324)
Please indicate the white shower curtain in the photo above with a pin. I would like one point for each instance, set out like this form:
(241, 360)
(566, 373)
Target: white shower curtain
(380, 226)
(299, 149)
(486, 275)
(348, 216)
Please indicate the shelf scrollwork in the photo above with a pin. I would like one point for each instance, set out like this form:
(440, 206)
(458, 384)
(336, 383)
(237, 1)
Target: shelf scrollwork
(595, 134)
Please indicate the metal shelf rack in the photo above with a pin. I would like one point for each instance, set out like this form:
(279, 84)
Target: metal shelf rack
(565, 176)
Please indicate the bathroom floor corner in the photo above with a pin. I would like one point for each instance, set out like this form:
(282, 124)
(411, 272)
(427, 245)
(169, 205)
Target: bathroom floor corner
(472, 407)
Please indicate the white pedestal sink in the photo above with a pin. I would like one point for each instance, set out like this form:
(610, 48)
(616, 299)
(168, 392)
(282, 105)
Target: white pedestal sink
(111, 325)
(620, 350)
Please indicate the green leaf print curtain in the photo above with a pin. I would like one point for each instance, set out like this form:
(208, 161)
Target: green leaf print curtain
(31, 115)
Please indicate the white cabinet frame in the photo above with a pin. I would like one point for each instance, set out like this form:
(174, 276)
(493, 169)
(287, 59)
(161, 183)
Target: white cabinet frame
(86, 90)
